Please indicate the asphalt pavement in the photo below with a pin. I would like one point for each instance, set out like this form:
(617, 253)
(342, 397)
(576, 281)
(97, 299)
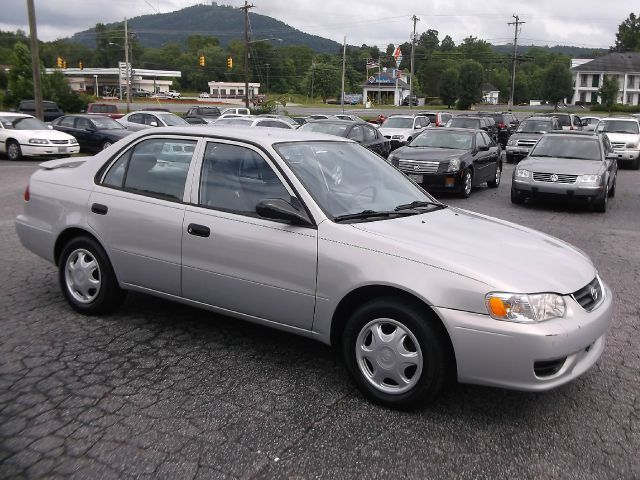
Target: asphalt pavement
(160, 390)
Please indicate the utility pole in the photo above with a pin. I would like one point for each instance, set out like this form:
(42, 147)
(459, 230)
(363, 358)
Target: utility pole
(126, 61)
(246, 8)
(413, 48)
(517, 23)
(35, 60)
(313, 71)
(268, 65)
(344, 56)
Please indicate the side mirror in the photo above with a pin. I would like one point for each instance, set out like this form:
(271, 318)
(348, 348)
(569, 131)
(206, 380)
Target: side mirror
(153, 124)
(483, 148)
(279, 209)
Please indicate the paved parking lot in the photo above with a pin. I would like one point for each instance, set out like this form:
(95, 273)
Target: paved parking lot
(160, 390)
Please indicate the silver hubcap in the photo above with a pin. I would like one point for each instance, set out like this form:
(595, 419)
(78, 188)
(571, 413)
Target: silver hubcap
(498, 175)
(389, 356)
(12, 151)
(106, 145)
(467, 183)
(82, 276)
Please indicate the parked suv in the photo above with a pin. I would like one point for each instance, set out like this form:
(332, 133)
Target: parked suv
(624, 134)
(50, 109)
(207, 114)
(506, 124)
(568, 121)
(475, 122)
(437, 119)
(401, 129)
(528, 133)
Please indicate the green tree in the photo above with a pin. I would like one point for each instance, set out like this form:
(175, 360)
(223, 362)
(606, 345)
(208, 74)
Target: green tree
(324, 79)
(628, 36)
(447, 44)
(558, 83)
(449, 86)
(608, 92)
(470, 81)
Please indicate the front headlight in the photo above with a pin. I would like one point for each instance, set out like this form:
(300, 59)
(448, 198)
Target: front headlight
(454, 165)
(522, 173)
(632, 145)
(511, 142)
(39, 141)
(73, 140)
(589, 178)
(522, 308)
(397, 137)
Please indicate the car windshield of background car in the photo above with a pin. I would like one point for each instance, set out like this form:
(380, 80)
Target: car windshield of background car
(23, 123)
(106, 123)
(463, 123)
(439, 139)
(398, 122)
(173, 120)
(618, 126)
(329, 128)
(585, 148)
(534, 126)
(346, 178)
(234, 121)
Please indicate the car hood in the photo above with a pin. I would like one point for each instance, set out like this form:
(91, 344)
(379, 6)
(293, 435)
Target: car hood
(566, 166)
(503, 255)
(48, 134)
(623, 137)
(525, 136)
(428, 153)
(397, 131)
(118, 133)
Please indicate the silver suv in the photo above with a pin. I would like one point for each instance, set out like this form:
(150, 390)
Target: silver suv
(624, 134)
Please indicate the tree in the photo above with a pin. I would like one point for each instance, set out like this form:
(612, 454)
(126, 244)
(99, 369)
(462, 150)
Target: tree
(447, 44)
(429, 40)
(608, 92)
(449, 87)
(558, 83)
(628, 36)
(323, 79)
(469, 84)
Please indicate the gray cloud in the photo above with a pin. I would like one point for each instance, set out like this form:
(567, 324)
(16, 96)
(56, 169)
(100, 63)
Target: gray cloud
(571, 22)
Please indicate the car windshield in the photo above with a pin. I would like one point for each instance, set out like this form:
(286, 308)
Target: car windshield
(561, 146)
(106, 123)
(330, 128)
(618, 126)
(22, 123)
(443, 139)
(463, 123)
(347, 179)
(172, 120)
(244, 122)
(535, 126)
(563, 120)
(398, 122)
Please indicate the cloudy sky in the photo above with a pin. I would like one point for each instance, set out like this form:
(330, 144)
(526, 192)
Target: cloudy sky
(586, 23)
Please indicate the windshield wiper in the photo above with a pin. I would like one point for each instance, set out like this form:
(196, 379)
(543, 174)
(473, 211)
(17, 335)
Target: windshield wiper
(418, 204)
(369, 214)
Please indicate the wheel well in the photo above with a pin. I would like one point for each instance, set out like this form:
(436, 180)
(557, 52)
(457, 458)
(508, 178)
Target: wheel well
(360, 296)
(65, 237)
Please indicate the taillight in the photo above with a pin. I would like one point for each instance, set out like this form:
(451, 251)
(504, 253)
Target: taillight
(501, 126)
(26, 193)
(572, 127)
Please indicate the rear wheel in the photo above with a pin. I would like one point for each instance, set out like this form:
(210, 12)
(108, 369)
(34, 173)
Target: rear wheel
(496, 181)
(467, 183)
(395, 354)
(14, 152)
(87, 279)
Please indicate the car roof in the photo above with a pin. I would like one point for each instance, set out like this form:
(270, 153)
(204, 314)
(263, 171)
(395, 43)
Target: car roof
(405, 115)
(473, 117)
(572, 133)
(455, 129)
(539, 117)
(337, 121)
(14, 114)
(624, 119)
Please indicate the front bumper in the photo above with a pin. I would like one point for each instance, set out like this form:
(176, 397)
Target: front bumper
(627, 154)
(519, 152)
(445, 181)
(29, 150)
(532, 188)
(503, 354)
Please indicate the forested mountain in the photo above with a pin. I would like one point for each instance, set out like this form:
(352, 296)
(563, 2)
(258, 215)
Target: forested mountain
(223, 22)
(569, 50)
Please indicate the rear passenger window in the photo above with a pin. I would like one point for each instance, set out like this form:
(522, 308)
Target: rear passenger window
(369, 134)
(156, 167)
(236, 178)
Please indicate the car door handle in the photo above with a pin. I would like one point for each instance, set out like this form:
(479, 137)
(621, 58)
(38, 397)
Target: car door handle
(99, 209)
(198, 230)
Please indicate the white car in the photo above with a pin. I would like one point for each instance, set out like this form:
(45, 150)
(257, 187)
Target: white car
(25, 136)
(237, 111)
(401, 129)
(204, 95)
(251, 121)
(173, 94)
(135, 121)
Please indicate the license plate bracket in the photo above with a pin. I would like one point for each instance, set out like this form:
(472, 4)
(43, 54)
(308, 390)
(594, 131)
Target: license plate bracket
(62, 149)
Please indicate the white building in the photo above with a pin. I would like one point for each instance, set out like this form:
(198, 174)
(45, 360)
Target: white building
(109, 81)
(588, 76)
(490, 94)
(232, 90)
(382, 88)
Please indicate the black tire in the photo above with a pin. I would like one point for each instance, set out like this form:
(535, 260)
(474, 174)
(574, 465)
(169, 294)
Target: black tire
(636, 164)
(495, 183)
(105, 298)
(106, 144)
(612, 191)
(437, 358)
(467, 184)
(601, 204)
(516, 198)
(14, 152)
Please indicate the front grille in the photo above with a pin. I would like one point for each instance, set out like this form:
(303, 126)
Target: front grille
(547, 368)
(590, 296)
(388, 136)
(526, 143)
(617, 145)
(413, 166)
(554, 177)
(59, 142)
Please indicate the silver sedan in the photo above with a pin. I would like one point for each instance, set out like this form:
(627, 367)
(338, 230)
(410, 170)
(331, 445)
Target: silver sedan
(318, 236)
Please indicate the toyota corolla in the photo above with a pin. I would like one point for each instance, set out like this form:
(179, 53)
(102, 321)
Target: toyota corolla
(316, 235)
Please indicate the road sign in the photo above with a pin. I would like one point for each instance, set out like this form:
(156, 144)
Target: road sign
(397, 54)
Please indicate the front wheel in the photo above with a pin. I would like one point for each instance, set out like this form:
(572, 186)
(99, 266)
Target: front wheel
(14, 152)
(467, 184)
(87, 279)
(601, 204)
(395, 354)
(516, 198)
(496, 180)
